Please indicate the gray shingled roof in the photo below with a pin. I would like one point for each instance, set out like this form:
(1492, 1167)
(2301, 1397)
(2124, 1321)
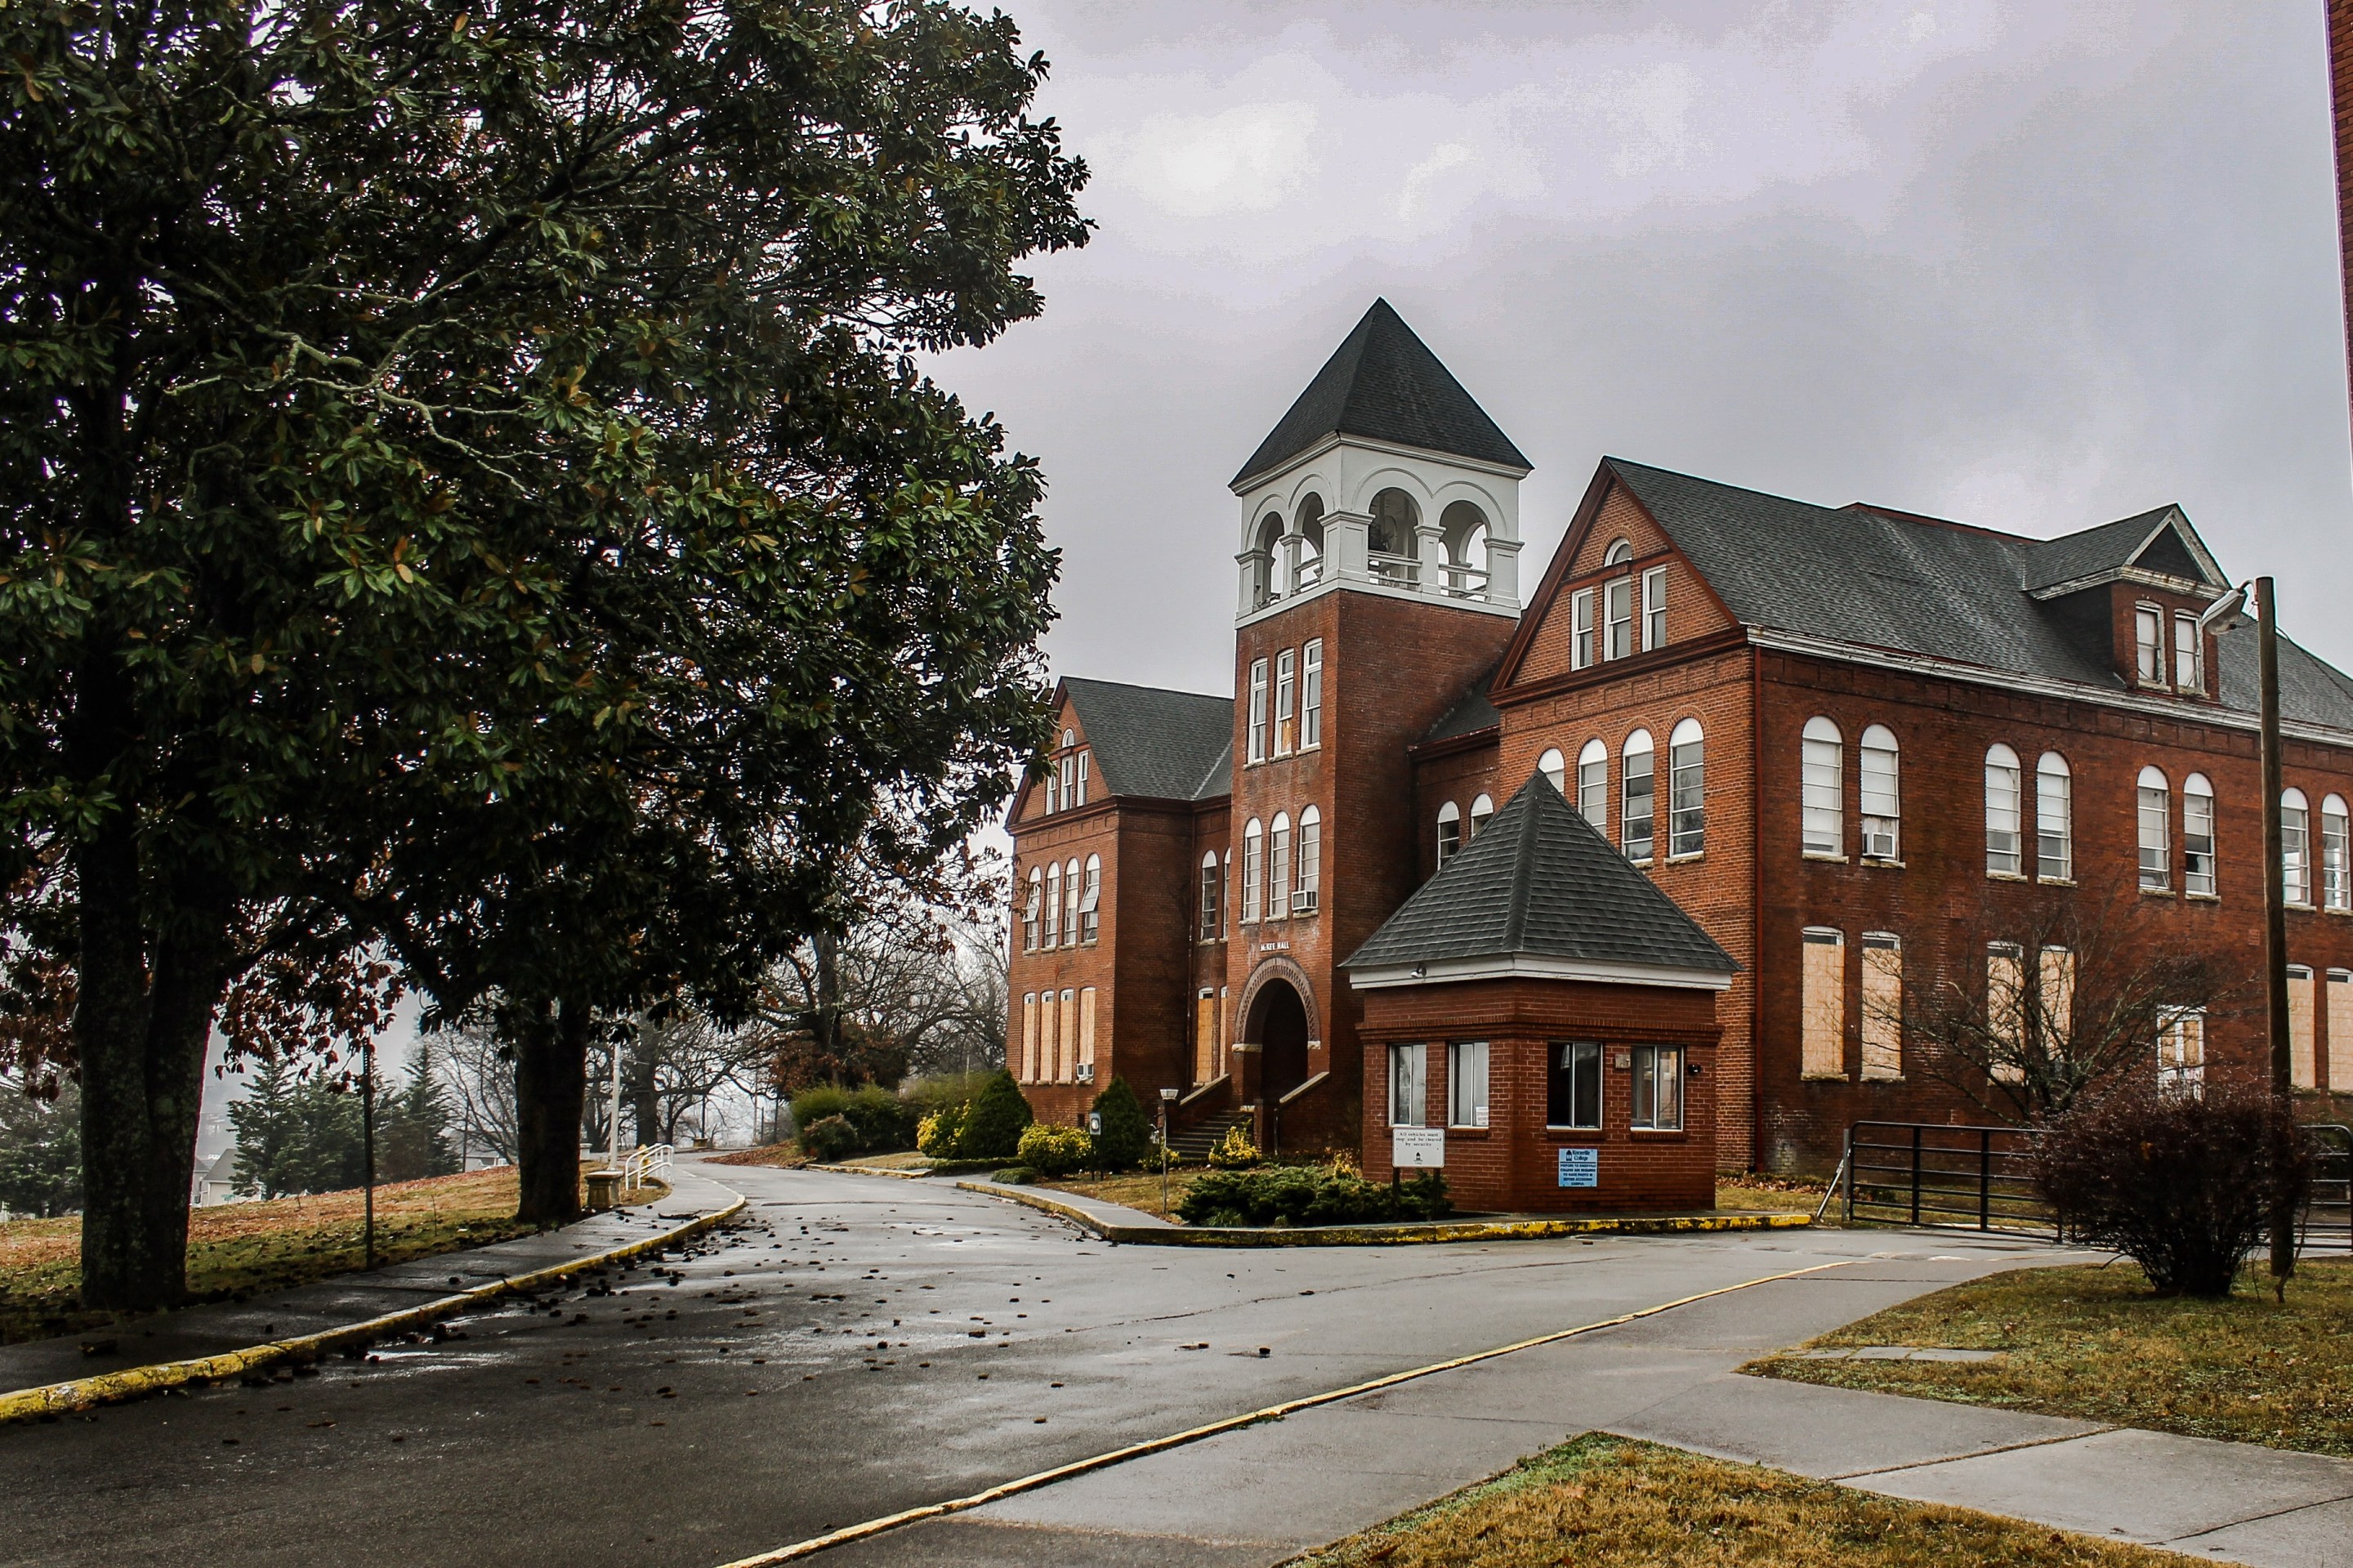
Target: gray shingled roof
(2092, 551)
(1149, 742)
(1383, 383)
(1470, 713)
(1915, 586)
(1539, 881)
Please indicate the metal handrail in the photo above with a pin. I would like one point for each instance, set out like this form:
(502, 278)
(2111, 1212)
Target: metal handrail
(644, 1164)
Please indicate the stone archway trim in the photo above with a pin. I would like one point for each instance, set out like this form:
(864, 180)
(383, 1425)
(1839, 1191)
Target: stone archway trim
(1274, 967)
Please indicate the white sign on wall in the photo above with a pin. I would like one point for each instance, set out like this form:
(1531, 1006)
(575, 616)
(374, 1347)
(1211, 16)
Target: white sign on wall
(1417, 1147)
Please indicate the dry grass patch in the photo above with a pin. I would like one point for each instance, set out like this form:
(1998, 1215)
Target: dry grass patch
(787, 1156)
(1750, 1194)
(2093, 1342)
(1136, 1188)
(1604, 1502)
(243, 1249)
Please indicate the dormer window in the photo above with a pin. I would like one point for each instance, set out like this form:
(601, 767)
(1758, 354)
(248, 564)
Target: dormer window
(2148, 644)
(2188, 672)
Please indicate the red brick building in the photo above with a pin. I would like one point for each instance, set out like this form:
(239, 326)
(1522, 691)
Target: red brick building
(1856, 745)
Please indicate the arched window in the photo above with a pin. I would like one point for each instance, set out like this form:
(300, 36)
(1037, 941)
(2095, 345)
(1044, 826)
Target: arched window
(1620, 551)
(1310, 569)
(1225, 890)
(1032, 910)
(1253, 870)
(1071, 892)
(1449, 833)
(1821, 788)
(1090, 901)
(1637, 815)
(1390, 538)
(2003, 848)
(1883, 796)
(1211, 888)
(1593, 784)
(1266, 556)
(2296, 846)
(1054, 906)
(1686, 790)
(1481, 809)
(1462, 534)
(2156, 831)
(1278, 867)
(2054, 819)
(2198, 837)
(1309, 892)
(1555, 767)
(2336, 850)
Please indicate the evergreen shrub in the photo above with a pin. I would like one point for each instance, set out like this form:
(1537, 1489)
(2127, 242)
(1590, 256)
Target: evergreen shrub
(940, 1133)
(829, 1140)
(1307, 1195)
(1126, 1136)
(992, 1127)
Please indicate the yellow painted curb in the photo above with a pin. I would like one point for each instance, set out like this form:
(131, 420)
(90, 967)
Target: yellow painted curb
(107, 1388)
(1433, 1231)
(874, 1527)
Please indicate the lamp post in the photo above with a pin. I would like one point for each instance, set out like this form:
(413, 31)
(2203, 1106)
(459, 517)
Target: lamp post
(1167, 1098)
(2221, 616)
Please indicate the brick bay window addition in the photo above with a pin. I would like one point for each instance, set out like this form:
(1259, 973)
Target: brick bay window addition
(1636, 818)
(1822, 790)
(2002, 830)
(1883, 796)
(1686, 791)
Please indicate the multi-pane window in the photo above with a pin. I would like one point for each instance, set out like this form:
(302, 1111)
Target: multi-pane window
(1482, 808)
(1821, 1003)
(1466, 1084)
(1593, 784)
(2181, 1053)
(1555, 768)
(1253, 870)
(2188, 672)
(1580, 629)
(1257, 746)
(2001, 812)
(1882, 1006)
(2155, 818)
(1072, 890)
(1654, 608)
(1408, 1098)
(1573, 1085)
(2054, 819)
(1054, 906)
(1449, 833)
(2335, 854)
(1067, 772)
(1053, 787)
(2198, 836)
(1209, 897)
(1311, 695)
(2148, 645)
(1082, 776)
(1883, 795)
(1821, 790)
(1686, 790)
(1658, 1088)
(1277, 866)
(1032, 910)
(1618, 612)
(1286, 700)
(1090, 901)
(1309, 892)
(1225, 890)
(1636, 813)
(2296, 847)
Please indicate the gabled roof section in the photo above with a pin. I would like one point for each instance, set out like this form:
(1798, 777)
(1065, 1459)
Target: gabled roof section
(1154, 743)
(1470, 713)
(1539, 883)
(1888, 580)
(2161, 541)
(1384, 384)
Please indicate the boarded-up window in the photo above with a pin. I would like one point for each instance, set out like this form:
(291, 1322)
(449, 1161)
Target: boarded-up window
(1882, 1006)
(1067, 1058)
(1824, 1007)
(1225, 1025)
(1029, 1066)
(2181, 1053)
(2340, 1030)
(1086, 1026)
(2057, 997)
(2303, 1059)
(1205, 1037)
(2006, 1010)
(1043, 1069)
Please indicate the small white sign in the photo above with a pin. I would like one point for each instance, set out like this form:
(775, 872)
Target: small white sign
(1417, 1147)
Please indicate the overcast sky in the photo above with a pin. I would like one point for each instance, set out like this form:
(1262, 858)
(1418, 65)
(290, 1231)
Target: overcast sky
(2034, 266)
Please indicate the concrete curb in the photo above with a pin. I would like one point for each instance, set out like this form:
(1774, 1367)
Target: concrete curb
(108, 1388)
(1431, 1232)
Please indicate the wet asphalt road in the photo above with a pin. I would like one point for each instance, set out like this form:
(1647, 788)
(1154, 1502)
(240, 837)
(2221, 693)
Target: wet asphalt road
(850, 1347)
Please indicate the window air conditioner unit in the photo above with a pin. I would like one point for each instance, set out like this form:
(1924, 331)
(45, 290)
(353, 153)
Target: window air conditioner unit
(1086, 1072)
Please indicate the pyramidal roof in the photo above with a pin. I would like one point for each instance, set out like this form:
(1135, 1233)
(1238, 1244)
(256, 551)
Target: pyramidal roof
(1540, 891)
(1384, 384)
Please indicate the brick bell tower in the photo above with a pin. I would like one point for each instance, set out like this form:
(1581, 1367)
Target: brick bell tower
(1379, 575)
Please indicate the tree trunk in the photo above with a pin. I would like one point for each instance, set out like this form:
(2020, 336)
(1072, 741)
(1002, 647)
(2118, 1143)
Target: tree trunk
(550, 1095)
(638, 1084)
(141, 1041)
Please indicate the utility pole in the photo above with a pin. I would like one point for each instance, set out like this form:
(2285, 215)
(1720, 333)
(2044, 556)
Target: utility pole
(2275, 910)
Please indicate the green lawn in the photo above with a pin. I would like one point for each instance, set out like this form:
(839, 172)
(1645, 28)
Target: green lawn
(2093, 1342)
(1604, 1502)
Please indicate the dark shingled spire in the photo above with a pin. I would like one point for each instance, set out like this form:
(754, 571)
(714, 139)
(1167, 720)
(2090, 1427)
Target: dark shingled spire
(1384, 384)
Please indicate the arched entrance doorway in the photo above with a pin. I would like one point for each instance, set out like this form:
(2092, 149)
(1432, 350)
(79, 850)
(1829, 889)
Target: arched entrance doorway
(1278, 1025)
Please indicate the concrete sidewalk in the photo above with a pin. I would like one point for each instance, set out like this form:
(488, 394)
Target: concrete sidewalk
(224, 1327)
(1260, 1495)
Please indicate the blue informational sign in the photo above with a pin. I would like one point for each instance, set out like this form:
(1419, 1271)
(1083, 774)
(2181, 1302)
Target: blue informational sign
(1580, 1168)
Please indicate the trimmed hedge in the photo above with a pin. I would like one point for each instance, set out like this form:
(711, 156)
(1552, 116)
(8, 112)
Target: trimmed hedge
(1310, 1195)
(1052, 1151)
(879, 1122)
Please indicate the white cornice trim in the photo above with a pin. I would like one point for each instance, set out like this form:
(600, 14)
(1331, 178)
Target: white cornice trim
(2037, 685)
(1531, 966)
(1378, 590)
(2188, 587)
(1335, 441)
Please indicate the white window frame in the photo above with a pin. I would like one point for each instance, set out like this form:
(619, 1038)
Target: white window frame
(1256, 742)
(1307, 896)
(2153, 830)
(1880, 780)
(1054, 905)
(1638, 745)
(2335, 853)
(1212, 910)
(1654, 609)
(1617, 617)
(1278, 867)
(1409, 1085)
(1253, 870)
(1658, 1097)
(2188, 654)
(1090, 902)
(1687, 791)
(1566, 1056)
(1466, 1084)
(1821, 790)
(1481, 808)
(2004, 800)
(1082, 757)
(1583, 646)
(2054, 819)
(2295, 848)
(1311, 695)
(2197, 879)
(1449, 833)
(2148, 645)
(1555, 768)
(2182, 1052)
(1072, 889)
(1032, 910)
(1286, 700)
(1593, 784)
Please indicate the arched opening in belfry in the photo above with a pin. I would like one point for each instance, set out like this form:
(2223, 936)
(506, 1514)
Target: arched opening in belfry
(1390, 541)
(1278, 1026)
(1309, 529)
(1463, 533)
(1266, 556)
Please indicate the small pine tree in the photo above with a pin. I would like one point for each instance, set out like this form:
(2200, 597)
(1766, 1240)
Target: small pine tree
(992, 1128)
(1126, 1135)
(412, 1127)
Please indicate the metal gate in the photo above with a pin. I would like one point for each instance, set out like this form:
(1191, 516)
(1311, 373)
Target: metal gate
(2328, 1216)
(1944, 1175)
